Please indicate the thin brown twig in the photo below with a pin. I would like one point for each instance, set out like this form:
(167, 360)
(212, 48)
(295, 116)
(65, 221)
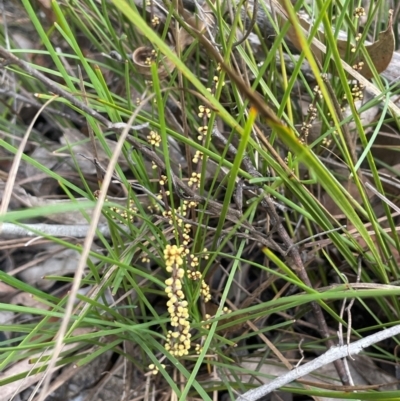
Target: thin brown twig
(251, 26)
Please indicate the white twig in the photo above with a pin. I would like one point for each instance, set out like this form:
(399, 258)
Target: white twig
(11, 231)
(330, 356)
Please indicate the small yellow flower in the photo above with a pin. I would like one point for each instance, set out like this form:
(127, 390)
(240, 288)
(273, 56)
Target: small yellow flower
(154, 369)
(194, 179)
(204, 111)
(154, 139)
(359, 12)
(155, 21)
(197, 157)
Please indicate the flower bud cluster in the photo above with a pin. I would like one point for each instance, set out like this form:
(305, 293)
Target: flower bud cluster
(194, 180)
(154, 138)
(178, 340)
(163, 182)
(357, 92)
(206, 323)
(197, 157)
(359, 12)
(195, 275)
(176, 257)
(182, 266)
(154, 369)
(151, 57)
(306, 126)
(155, 21)
(126, 213)
(205, 112)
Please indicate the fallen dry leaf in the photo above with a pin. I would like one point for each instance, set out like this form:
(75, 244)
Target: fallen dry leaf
(372, 373)
(380, 52)
(49, 260)
(24, 368)
(6, 291)
(80, 145)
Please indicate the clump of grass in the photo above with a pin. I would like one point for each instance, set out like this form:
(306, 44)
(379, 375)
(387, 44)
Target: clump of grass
(223, 198)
